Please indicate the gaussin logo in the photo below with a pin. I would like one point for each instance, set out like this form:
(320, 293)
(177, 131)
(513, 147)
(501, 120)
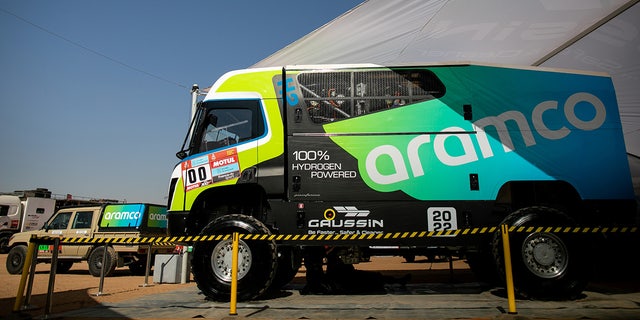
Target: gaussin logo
(470, 154)
(330, 220)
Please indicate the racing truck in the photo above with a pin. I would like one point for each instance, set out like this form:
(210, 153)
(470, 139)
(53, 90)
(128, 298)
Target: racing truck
(92, 226)
(328, 162)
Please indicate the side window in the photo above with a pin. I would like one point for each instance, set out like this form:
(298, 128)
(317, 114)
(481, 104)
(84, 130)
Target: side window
(4, 211)
(61, 221)
(337, 95)
(83, 220)
(228, 123)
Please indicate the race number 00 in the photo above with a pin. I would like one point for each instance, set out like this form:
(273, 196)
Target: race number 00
(197, 175)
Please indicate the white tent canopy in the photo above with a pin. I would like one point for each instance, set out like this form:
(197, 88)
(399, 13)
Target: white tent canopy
(592, 35)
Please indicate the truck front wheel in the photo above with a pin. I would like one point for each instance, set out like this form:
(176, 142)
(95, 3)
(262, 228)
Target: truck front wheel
(257, 260)
(96, 262)
(15, 259)
(546, 265)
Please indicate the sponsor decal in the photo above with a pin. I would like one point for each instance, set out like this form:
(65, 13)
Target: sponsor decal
(427, 150)
(210, 169)
(157, 217)
(318, 165)
(345, 220)
(48, 248)
(122, 215)
(400, 172)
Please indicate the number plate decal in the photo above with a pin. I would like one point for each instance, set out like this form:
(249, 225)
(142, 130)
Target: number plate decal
(441, 219)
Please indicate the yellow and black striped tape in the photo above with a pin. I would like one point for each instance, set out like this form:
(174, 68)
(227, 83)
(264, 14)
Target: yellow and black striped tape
(339, 237)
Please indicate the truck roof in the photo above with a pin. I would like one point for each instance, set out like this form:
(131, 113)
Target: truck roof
(417, 64)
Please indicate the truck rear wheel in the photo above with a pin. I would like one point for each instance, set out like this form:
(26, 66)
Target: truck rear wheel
(546, 266)
(257, 260)
(15, 259)
(96, 264)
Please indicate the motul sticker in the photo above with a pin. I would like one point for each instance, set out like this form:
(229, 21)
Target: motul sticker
(209, 169)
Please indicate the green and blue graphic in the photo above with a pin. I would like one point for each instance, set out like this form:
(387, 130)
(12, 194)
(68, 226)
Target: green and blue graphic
(123, 215)
(527, 125)
(157, 217)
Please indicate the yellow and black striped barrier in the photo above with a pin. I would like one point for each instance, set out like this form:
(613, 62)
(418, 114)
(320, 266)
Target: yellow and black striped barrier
(169, 240)
(172, 240)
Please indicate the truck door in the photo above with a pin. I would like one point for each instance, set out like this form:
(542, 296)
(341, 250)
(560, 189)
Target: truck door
(82, 227)
(225, 144)
(58, 226)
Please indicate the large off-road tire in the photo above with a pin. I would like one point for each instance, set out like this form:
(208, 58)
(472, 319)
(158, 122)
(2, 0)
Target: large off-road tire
(211, 262)
(289, 262)
(546, 266)
(96, 264)
(15, 259)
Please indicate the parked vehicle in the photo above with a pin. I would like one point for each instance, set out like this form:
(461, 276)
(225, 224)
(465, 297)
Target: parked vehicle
(93, 224)
(349, 157)
(24, 211)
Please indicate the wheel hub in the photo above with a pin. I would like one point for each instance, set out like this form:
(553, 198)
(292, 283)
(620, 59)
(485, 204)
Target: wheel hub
(222, 256)
(545, 255)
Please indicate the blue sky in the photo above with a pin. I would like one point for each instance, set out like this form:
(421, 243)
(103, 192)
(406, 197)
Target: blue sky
(94, 95)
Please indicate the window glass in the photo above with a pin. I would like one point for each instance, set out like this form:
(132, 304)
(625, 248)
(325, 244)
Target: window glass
(83, 220)
(228, 123)
(332, 96)
(61, 221)
(4, 211)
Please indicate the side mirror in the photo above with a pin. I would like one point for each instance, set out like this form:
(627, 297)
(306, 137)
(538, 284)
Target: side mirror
(181, 154)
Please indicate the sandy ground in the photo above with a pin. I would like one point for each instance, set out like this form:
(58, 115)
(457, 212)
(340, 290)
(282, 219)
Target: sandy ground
(78, 289)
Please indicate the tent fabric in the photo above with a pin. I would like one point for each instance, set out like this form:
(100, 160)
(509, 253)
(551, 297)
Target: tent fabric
(590, 35)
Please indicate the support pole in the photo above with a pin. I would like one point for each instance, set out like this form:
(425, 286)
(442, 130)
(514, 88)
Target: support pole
(52, 277)
(234, 275)
(102, 271)
(32, 274)
(184, 274)
(147, 269)
(507, 267)
(25, 272)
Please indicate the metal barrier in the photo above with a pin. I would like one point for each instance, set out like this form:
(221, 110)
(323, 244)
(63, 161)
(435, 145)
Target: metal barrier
(22, 301)
(30, 262)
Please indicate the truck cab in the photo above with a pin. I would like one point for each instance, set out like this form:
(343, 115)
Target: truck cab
(20, 213)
